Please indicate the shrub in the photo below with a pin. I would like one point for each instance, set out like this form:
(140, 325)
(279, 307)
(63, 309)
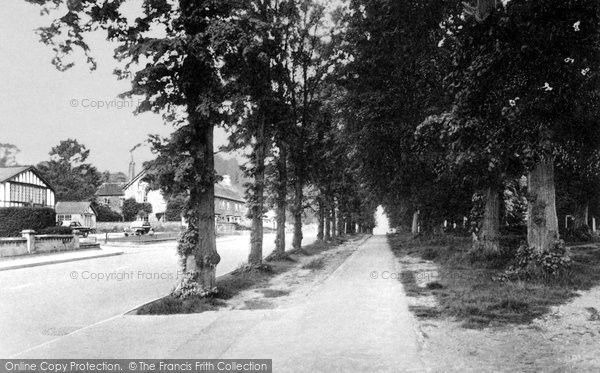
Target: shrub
(13, 220)
(55, 230)
(131, 209)
(548, 265)
(579, 234)
(106, 214)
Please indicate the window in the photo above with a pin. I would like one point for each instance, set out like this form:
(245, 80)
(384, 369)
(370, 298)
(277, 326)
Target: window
(27, 194)
(62, 217)
(106, 200)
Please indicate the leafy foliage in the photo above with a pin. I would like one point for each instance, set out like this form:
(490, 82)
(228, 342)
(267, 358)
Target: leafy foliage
(13, 220)
(72, 179)
(105, 214)
(131, 209)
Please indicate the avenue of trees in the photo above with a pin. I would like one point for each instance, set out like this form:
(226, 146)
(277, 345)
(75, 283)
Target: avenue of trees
(437, 110)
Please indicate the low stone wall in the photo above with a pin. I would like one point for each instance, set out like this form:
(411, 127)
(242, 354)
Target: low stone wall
(13, 246)
(52, 243)
(34, 244)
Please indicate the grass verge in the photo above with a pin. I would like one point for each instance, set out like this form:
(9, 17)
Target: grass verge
(467, 289)
(243, 278)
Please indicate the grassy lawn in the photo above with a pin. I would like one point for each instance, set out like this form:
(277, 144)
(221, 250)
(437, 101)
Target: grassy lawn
(239, 280)
(465, 287)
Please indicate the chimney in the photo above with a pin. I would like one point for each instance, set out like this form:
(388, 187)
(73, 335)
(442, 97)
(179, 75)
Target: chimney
(226, 180)
(131, 168)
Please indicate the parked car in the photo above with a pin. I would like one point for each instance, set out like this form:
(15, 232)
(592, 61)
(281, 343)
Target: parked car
(140, 227)
(76, 227)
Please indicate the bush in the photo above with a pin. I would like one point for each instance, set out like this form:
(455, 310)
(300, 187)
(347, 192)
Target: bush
(580, 234)
(13, 220)
(106, 214)
(131, 209)
(56, 230)
(548, 265)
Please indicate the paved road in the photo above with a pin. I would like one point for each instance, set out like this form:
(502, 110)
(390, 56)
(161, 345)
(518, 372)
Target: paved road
(356, 320)
(39, 304)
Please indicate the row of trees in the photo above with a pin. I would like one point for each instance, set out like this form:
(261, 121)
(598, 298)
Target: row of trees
(435, 109)
(468, 100)
(263, 69)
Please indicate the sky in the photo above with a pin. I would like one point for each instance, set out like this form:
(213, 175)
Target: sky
(40, 106)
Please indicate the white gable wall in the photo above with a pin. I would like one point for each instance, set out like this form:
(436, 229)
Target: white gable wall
(26, 179)
(137, 190)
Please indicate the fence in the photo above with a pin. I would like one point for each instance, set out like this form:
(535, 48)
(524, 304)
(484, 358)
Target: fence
(30, 243)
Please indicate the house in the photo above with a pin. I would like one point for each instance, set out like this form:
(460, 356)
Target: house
(138, 189)
(230, 206)
(111, 195)
(82, 212)
(24, 186)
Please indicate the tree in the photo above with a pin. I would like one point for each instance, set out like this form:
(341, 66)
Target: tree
(179, 78)
(8, 155)
(105, 214)
(131, 208)
(393, 80)
(255, 104)
(175, 207)
(313, 54)
(72, 179)
(527, 91)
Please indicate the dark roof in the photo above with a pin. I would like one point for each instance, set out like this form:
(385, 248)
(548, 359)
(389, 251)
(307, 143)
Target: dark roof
(111, 189)
(228, 192)
(73, 207)
(10, 172)
(7, 173)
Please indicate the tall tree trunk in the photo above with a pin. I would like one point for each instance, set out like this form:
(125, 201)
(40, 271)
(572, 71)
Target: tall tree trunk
(298, 197)
(320, 227)
(201, 263)
(347, 219)
(281, 201)
(489, 237)
(582, 215)
(327, 222)
(333, 219)
(542, 223)
(256, 210)
(415, 223)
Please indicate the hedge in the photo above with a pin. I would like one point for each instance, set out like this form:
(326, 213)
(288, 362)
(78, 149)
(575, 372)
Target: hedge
(56, 230)
(13, 220)
(105, 214)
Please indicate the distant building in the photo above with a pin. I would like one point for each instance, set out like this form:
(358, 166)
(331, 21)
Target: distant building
(138, 189)
(230, 206)
(24, 186)
(111, 195)
(82, 212)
